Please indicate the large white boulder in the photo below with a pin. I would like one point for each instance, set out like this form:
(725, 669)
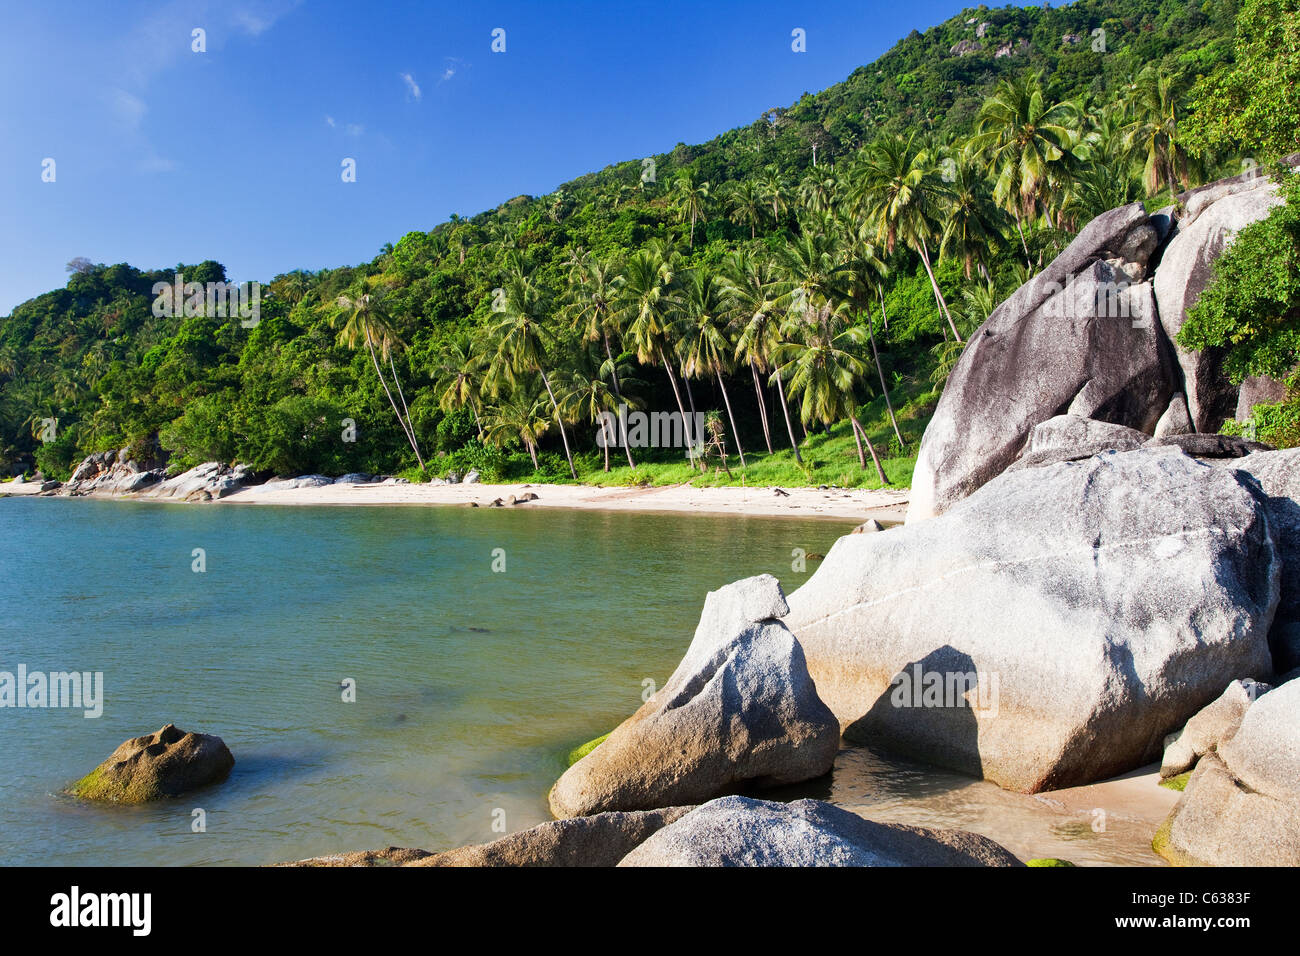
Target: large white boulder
(1053, 628)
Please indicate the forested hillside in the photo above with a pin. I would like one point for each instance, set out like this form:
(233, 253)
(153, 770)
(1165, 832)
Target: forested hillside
(805, 280)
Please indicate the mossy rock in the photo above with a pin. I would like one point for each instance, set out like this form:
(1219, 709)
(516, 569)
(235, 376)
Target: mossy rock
(1048, 861)
(158, 765)
(577, 753)
(1178, 783)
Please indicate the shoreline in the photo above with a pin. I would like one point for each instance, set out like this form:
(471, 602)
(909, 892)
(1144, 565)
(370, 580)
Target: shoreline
(885, 505)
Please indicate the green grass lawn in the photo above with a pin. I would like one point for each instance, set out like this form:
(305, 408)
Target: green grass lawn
(827, 460)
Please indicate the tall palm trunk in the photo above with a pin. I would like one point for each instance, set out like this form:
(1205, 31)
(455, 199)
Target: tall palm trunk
(880, 472)
(762, 406)
(564, 437)
(735, 435)
(1023, 245)
(613, 375)
(370, 347)
(785, 407)
(532, 453)
(687, 423)
(410, 426)
(938, 295)
(883, 387)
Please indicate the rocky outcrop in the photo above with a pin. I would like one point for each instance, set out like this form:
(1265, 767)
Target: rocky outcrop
(600, 840)
(738, 831)
(1213, 216)
(204, 482)
(1079, 338)
(1073, 437)
(1241, 806)
(1278, 473)
(1053, 628)
(1210, 727)
(112, 473)
(1093, 335)
(163, 764)
(739, 711)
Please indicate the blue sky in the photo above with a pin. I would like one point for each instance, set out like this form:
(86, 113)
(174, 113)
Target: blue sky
(165, 155)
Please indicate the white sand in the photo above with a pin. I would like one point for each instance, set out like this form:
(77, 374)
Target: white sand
(850, 505)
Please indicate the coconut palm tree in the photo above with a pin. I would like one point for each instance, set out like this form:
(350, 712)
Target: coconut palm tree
(692, 199)
(865, 273)
(819, 190)
(524, 414)
(644, 311)
(706, 345)
(595, 287)
(1156, 100)
(897, 190)
(369, 321)
(745, 206)
(973, 223)
(771, 186)
(521, 338)
(1018, 137)
(821, 362)
(587, 395)
(459, 374)
(751, 285)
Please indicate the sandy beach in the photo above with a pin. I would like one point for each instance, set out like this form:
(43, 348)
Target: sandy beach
(885, 505)
(855, 505)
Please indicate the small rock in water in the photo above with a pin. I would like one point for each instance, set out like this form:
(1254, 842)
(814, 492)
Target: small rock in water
(163, 764)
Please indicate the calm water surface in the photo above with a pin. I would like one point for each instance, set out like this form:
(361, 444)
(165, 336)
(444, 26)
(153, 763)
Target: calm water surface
(471, 684)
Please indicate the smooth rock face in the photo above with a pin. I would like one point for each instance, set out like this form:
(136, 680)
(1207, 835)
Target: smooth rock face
(163, 764)
(739, 710)
(1176, 420)
(1241, 806)
(600, 840)
(1072, 615)
(1073, 437)
(1215, 214)
(738, 831)
(1076, 338)
(1211, 726)
(1258, 390)
(1278, 473)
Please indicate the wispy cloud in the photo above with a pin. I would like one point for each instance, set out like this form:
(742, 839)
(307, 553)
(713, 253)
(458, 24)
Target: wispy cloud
(412, 86)
(127, 109)
(329, 121)
(453, 66)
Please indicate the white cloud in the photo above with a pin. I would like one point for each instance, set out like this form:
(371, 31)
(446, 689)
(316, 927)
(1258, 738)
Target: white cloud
(453, 65)
(411, 85)
(329, 121)
(153, 163)
(127, 108)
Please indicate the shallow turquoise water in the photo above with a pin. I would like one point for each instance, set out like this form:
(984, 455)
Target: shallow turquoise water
(471, 684)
